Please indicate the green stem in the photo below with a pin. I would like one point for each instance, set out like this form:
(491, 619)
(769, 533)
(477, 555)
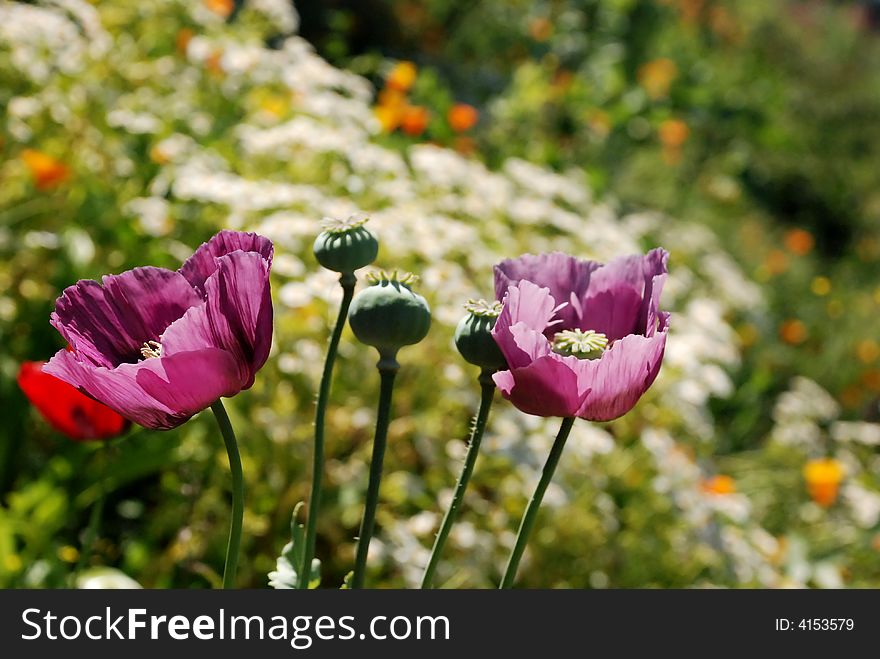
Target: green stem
(347, 281)
(91, 533)
(528, 520)
(234, 544)
(387, 370)
(488, 392)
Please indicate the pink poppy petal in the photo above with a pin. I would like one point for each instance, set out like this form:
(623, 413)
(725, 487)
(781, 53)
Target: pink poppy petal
(623, 374)
(561, 273)
(528, 305)
(547, 387)
(188, 382)
(202, 264)
(117, 388)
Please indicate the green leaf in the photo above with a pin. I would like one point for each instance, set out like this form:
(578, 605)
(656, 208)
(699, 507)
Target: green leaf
(346, 582)
(285, 575)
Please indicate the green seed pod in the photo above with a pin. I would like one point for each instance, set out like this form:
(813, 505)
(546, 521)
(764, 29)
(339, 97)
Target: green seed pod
(346, 245)
(473, 336)
(389, 315)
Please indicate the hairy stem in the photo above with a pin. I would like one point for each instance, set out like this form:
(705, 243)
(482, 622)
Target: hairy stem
(488, 391)
(387, 370)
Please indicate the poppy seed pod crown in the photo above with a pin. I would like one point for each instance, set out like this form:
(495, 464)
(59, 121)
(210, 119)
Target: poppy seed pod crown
(473, 335)
(389, 315)
(346, 245)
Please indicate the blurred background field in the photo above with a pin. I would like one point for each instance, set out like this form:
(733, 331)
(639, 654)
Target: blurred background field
(741, 135)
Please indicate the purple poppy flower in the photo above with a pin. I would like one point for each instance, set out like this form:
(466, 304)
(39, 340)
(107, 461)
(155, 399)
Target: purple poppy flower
(580, 338)
(156, 345)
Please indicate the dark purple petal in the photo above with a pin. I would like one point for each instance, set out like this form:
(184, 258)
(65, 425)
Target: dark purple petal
(202, 264)
(564, 275)
(237, 316)
(546, 387)
(622, 375)
(107, 325)
(527, 304)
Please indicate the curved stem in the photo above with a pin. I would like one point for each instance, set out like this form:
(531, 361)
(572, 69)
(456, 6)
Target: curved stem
(387, 371)
(232, 548)
(347, 281)
(488, 392)
(528, 520)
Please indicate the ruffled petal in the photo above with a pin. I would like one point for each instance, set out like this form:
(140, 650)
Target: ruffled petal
(237, 316)
(189, 382)
(107, 325)
(637, 273)
(203, 263)
(622, 375)
(159, 393)
(117, 388)
(525, 304)
(548, 386)
(563, 274)
(653, 315)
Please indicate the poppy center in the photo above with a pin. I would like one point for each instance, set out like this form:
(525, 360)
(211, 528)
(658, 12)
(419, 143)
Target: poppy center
(151, 349)
(583, 344)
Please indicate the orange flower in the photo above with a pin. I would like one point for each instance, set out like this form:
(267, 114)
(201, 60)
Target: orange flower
(214, 63)
(389, 117)
(871, 379)
(540, 29)
(673, 133)
(158, 156)
(402, 76)
(462, 117)
(656, 77)
(719, 485)
(799, 242)
(392, 97)
(181, 41)
(414, 120)
(46, 171)
(220, 7)
(823, 477)
(867, 351)
(793, 332)
(776, 262)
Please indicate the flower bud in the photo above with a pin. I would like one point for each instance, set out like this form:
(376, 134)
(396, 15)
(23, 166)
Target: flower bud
(473, 336)
(389, 315)
(346, 245)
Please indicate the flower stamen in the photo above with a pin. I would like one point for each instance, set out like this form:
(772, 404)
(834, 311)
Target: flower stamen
(583, 344)
(151, 349)
(483, 309)
(340, 225)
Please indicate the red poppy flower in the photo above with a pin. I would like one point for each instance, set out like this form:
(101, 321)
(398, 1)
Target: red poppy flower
(66, 409)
